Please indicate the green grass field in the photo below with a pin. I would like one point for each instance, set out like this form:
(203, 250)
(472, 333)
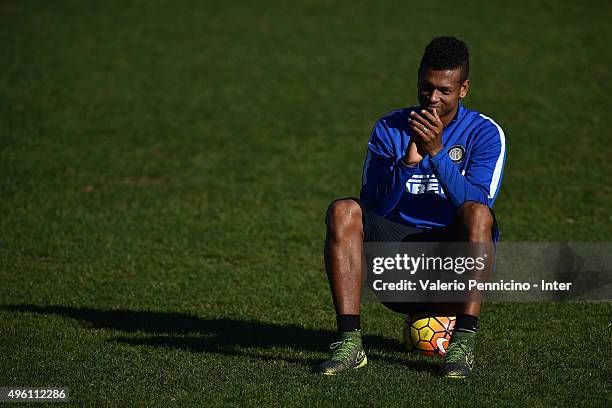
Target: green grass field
(165, 170)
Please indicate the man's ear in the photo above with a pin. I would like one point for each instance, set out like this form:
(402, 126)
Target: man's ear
(464, 89)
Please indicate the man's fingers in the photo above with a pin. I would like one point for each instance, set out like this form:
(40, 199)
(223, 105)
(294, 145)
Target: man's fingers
(416, 120)
(423, 131)
(417, 130)
(433, 119)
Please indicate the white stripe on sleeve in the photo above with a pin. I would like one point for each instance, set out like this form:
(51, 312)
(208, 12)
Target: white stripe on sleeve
(500, 160)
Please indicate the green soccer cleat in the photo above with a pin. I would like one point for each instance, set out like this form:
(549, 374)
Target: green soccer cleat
(348, 354)
(459, 357)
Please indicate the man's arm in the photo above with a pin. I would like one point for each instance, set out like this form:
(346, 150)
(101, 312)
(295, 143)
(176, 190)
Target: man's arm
(384, 175)
(484, 169)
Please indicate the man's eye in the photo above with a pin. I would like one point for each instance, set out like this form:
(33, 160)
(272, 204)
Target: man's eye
(446, 92)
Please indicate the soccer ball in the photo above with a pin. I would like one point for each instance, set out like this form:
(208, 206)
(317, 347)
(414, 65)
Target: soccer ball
(428, 335)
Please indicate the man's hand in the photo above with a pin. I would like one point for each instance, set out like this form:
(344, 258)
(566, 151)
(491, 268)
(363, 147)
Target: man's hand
(427, 130)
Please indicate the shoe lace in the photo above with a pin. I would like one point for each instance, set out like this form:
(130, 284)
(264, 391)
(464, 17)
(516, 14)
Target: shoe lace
(457, 352)
(342, 349)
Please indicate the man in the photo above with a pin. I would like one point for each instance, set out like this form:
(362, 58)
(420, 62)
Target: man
(432, 173)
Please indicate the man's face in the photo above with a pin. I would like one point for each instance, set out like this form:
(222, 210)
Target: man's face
(441, 89)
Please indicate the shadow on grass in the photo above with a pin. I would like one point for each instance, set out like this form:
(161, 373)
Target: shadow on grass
(248, 338)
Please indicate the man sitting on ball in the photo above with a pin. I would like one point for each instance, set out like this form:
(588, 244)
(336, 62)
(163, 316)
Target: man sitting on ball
(432, 173)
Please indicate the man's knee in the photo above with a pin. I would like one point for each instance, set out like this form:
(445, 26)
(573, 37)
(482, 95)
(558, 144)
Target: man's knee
(475, 222)
(344, 215)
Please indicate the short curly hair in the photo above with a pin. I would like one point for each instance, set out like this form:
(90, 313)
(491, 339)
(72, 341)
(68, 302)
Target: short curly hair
(446, 53)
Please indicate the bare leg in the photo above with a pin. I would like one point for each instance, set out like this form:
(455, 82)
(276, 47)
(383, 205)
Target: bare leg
(343, 255)
(475, 222)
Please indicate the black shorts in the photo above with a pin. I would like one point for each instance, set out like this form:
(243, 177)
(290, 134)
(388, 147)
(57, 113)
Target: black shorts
(379, 229)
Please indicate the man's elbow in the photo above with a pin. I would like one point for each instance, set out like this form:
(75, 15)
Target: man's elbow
(479, 195)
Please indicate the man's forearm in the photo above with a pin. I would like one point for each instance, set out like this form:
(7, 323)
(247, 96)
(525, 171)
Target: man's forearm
(383, 187)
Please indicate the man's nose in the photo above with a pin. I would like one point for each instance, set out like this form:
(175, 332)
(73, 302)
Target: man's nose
(434, 96)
